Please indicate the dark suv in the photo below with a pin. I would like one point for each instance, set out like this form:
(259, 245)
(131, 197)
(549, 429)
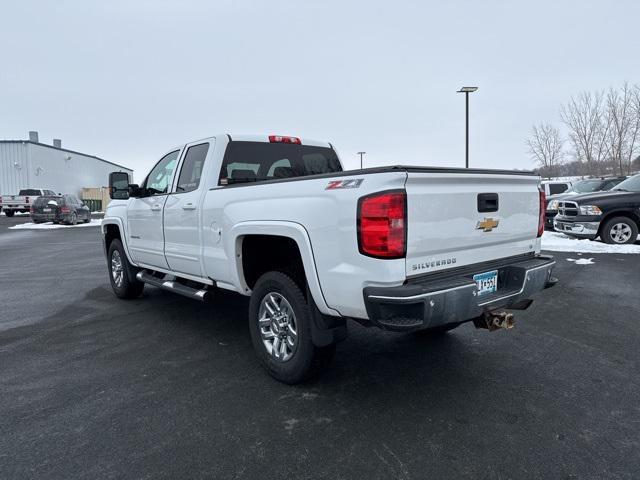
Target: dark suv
(614, 215)
(583, 186)
(67, 209)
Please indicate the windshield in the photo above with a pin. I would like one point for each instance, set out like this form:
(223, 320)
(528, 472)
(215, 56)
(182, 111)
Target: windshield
(29, 192)
(629, 185)
(586, 186)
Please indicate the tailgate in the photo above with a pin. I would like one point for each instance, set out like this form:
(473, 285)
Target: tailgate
(446, 228)
(13, 200)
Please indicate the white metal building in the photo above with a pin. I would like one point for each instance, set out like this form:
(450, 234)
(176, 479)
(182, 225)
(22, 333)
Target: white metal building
(31, 164)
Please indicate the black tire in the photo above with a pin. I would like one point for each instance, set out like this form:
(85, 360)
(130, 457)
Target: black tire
(128, 286)
(623, 224)
(9, 213)
(87, 220)
(307, 360)
(73, 220)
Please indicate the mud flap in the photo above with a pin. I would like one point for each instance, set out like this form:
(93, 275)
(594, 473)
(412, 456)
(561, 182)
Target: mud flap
(325, 329)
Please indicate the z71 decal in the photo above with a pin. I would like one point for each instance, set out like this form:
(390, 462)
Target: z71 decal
(352, 183)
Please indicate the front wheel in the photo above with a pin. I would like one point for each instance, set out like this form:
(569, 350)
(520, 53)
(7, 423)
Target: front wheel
(123, 282)
(619, 231)
(280, 325)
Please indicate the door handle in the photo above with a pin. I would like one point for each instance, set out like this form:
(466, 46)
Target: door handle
(156, 207)
(188, 206)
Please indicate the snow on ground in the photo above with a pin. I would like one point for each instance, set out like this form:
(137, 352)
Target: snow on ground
(51, 226)
(582, 261)
(559, 242)
(19, 214)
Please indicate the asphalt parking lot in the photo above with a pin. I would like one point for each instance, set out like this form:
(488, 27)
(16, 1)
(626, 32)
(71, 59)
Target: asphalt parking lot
(164, 387)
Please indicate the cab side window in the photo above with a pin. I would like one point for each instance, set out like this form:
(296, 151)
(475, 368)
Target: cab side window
(159, 178)
(191, 170)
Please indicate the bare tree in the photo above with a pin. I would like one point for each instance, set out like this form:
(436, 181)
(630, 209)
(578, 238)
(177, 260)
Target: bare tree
(588, 129)
(623, 110)
(545, 147)
(633, 138)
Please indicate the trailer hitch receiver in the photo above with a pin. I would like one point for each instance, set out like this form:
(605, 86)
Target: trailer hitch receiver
(494, 320)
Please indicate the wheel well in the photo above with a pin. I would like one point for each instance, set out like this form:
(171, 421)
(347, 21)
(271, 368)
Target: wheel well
(112, 232)
(620, 213)
(266, 253)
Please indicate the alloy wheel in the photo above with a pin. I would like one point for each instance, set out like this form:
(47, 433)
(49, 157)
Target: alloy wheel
(278, 326)
(620, 232)
(117, 272)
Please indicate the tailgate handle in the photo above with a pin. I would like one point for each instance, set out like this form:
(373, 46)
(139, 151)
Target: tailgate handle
(488, 202)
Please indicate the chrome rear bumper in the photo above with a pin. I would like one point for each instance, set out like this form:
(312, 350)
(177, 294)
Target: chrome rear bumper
(455, 299)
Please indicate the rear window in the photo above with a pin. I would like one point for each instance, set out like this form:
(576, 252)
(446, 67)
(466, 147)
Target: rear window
(30, 192)
(256, 161)
(555, 188)
(42, 201)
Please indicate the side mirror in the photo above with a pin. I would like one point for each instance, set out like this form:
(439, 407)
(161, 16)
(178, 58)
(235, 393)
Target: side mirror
(118, 186)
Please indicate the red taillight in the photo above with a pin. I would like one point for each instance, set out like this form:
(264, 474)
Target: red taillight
(382, 224)
(543, 209)
(283, 139)
(65, 210)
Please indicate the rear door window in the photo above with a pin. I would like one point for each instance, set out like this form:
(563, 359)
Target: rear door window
(256, 161)
(191, 170)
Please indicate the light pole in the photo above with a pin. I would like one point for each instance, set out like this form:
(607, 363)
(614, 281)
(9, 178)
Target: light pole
(361, 154)
(467, 91)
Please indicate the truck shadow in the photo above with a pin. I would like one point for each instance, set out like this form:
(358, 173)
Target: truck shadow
(367, 356)
(175, 338)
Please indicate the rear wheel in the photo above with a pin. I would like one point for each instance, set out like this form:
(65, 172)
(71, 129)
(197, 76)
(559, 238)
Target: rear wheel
(619, 231)
(73, 219)
(9, 213)
(280, 324)
(123, 282)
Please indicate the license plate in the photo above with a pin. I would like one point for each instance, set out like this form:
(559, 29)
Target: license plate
(46, 209)
(486, 282)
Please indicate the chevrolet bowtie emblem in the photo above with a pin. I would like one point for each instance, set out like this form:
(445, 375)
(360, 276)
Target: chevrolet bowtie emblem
(487, 224)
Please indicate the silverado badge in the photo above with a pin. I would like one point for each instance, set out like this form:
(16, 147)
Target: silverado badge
(487, 224)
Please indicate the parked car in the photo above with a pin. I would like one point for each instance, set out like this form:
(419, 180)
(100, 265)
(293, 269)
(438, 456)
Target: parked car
(555, 187)
(67, 209)
(275, 218)
(583, 186)
(11, 204)
(614, 216)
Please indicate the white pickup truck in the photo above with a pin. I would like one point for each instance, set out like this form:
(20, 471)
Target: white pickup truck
(275, 218)
(21, 203)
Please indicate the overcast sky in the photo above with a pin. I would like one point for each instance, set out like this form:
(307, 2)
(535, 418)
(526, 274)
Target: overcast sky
(127, 80)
